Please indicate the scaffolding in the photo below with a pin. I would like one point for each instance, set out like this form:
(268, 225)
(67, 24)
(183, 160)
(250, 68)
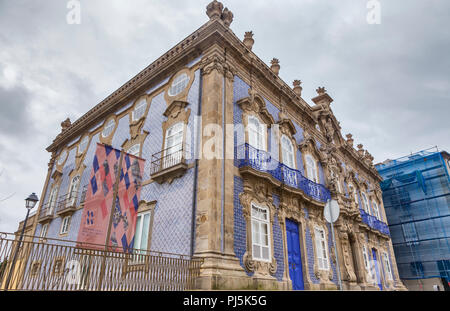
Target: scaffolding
(416, 195)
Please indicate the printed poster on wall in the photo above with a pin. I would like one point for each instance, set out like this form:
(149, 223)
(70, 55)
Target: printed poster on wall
(99, 201)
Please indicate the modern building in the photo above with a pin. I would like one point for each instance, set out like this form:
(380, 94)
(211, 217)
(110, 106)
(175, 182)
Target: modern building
(238, 169)
(416, 194)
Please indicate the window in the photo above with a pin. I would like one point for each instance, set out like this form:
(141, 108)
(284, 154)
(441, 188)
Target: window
(135, 150)
(387, 266)
(109, 128)
(83, 144)
(173, 145)
(321, 249)
(287, 152)
(52, 200)
(62, 157)
(44, 231)
(73, 191)
(58, 266)
(376, 211)
(65, 225)
(256, 133)
(139, 110)
(178, 84)
(260, 233)
(367, 262)
(311, 169)
(365, 202)
(142, 231)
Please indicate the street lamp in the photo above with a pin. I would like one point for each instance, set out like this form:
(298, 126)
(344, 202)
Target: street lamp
(30, 203)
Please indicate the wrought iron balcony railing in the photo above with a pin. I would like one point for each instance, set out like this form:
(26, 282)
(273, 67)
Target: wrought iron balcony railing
(47, 211)
(170, 161)
(67, 202)
(374, 222)
(262, 161)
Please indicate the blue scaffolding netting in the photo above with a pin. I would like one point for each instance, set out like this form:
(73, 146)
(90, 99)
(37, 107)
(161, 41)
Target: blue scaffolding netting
(416, 195)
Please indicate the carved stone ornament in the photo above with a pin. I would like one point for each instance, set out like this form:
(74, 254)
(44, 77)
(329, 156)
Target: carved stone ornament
(214, 9)
(255, 104)
(258, 194)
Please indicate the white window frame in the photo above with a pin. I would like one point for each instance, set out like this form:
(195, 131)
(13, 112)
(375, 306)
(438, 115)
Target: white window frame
(138, 238)
(179, 84)
(44, 230)
(367, 262)
(171, 154)
(52, 201)
(257, 137)
(73, 190)
(257, 223)
(376, 209)
(137, 152)
(387, 266)
(365, 203)
(65, 225)
(321, 248)
(287, 152)
(141, 107)
(109, 128)
(312, 171)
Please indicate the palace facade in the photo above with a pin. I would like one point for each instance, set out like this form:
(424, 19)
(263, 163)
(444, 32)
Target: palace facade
(248, 200)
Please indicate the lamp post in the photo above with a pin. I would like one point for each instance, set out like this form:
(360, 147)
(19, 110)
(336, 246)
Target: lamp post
(30, 203)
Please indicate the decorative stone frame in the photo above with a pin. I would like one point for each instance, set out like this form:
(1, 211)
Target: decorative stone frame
(258, 197)
(62, 223)
(287, 128)
(292, 207)
(60, 165)
(309, 147)
(175, 113)
(79, 157)
(136, 125)
(182, 96)
(316, 219)
(108, 140)
(254, 105)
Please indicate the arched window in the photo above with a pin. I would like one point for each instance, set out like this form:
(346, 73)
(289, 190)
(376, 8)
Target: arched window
(135, 150)
(73, 190)
(52, 200)
(173, 145)
(321, 248)
(178, 84)
(256, 133)
(365, 202)
(311, 169)
(376, 210)
(287, 152)
(109, 128)
(139, 110)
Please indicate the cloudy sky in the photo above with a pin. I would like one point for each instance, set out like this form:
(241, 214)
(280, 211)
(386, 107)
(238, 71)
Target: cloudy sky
(390, 82)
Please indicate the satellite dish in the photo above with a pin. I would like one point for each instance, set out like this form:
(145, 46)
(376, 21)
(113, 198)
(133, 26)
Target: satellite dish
(331, 211)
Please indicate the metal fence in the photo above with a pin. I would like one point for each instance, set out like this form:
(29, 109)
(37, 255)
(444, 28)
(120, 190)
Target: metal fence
(58, 265)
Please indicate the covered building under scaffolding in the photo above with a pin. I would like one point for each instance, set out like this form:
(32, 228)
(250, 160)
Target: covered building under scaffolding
(416, 195)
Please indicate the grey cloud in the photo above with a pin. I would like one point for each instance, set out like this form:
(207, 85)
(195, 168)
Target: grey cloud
(14, 120)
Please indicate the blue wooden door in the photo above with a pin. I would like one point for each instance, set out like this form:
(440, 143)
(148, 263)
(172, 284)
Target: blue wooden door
(294, 255)
(377, 270)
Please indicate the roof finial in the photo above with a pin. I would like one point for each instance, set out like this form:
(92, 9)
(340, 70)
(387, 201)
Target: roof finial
(275, 66)
(214, 10)
(248, 39)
